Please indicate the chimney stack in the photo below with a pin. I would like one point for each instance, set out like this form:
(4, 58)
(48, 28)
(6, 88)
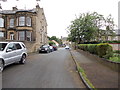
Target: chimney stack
(14, 8)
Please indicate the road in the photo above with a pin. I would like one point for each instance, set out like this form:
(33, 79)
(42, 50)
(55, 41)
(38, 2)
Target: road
(53, 70)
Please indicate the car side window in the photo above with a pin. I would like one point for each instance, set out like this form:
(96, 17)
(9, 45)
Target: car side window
(18, 46)
(11, 46)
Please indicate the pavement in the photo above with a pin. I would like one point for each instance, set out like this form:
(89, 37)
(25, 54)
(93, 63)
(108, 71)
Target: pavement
(99, 75)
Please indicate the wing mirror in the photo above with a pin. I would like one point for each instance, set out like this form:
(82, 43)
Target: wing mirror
(9, 50)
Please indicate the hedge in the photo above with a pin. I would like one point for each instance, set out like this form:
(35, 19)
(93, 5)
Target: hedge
(103, 50)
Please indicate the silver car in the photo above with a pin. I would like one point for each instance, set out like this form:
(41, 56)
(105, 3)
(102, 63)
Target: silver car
(11, 52)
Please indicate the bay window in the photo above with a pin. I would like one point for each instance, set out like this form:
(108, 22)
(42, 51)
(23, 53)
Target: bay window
(21, 35)
(24, 35)
(22, 21)
(28, 21)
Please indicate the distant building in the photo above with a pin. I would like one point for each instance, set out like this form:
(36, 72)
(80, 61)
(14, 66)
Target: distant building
(28, 26)
(55, 42)
(116, 36)
(65, 41)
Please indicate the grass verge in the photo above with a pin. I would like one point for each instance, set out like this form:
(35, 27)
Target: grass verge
(85, 76)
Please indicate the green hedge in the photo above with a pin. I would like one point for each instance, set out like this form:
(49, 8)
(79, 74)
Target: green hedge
(115, 41)
(103, 49)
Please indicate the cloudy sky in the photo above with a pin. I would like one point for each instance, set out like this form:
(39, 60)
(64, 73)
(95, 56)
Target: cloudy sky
(59, 13)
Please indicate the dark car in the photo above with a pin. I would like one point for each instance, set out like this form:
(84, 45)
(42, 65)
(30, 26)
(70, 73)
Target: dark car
(44, 48)
(54, 47)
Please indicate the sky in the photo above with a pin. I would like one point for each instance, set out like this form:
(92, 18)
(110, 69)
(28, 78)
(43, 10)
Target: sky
(60, 13)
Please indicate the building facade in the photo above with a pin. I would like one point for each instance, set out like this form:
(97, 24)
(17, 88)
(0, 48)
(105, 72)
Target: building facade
(28, 26)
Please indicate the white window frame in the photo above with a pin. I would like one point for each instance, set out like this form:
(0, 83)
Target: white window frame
(28, 21)
(12, 22)
(22, 21)
(28, 36)
(21, 35)
(1, 34)
(1, 22)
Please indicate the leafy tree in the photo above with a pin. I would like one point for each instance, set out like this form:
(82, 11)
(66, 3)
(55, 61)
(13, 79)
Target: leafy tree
(55, 38)
(88, 27)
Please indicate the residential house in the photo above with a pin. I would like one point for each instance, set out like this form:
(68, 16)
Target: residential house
(28, 26)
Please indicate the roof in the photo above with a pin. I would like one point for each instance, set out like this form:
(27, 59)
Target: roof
(19, 10)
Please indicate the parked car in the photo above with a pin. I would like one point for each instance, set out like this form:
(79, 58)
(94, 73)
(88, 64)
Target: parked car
(11, 52)
(67, 47)
(54, 47)
(44, 48)
(51, 48)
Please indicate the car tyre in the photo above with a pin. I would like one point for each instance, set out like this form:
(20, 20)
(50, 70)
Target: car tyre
(1, 66)
(23, 59)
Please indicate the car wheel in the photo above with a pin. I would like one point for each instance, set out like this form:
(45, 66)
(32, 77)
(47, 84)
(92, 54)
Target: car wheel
(1, 65)
(23, 59)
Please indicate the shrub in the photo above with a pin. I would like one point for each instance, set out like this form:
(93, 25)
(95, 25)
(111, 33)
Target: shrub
(117, 51)
(51, 42)
(103, 49)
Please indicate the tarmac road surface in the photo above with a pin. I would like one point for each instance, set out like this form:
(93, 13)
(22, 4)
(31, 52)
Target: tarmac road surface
(52, 70)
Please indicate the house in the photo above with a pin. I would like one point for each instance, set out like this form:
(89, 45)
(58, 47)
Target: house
(28, 26)
(56, 43)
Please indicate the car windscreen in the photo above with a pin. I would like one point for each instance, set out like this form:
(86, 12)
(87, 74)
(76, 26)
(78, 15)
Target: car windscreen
(44, 46)
(2, 46)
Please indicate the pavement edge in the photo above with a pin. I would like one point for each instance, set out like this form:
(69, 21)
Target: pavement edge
(80, 74)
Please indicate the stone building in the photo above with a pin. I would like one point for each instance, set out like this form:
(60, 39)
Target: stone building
(28, 26)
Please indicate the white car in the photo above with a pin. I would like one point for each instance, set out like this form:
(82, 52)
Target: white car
(67, 47)
(11, 52)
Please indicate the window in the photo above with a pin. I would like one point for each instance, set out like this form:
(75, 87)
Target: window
(22, 21)
(2, 46)
(11, 22)
(23, 45)
(18, 46)
(21, 36)
(28, 36)
(28, 21)
(1, 34)
(1, 22)
(11, 46)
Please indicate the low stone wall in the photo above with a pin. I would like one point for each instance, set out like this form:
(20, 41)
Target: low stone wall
(32, 46)
(113, 65)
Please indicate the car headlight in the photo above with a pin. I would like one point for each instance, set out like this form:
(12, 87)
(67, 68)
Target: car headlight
(45, 48)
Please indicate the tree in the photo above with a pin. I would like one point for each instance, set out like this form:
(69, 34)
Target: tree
(55, 38)
(88, 27)
(109, 27)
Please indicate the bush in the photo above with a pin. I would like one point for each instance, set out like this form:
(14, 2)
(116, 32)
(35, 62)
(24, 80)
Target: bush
(102, 50)
(115, 59)
(115, 41)
(51, 42)
(117, 51)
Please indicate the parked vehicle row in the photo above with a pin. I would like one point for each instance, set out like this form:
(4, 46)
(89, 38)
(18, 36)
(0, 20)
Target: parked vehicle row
(47, 48)
(11, 52)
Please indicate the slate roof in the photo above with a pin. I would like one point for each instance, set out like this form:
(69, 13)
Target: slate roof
(13, 12)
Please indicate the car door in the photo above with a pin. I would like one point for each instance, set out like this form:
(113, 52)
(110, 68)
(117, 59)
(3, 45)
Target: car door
(18, 51)
(10, 53)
